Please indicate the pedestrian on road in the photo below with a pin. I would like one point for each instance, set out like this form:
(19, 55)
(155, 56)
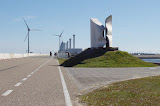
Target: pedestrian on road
(55, 54)
(50, 54)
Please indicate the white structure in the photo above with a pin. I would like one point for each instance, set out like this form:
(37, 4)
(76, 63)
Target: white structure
(108, 25)
(73, 41)
(14, 55)
(67, 45)
(97, 33)
(98, 39)
(70, 43)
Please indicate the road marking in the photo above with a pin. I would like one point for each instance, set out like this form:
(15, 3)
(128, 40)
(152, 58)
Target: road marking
(32, 72)
(41, 66)
(7, 93)
(28, 75)
(152, 68)
(65, 90)
(24, 79)
(18, 84)
(35, 70)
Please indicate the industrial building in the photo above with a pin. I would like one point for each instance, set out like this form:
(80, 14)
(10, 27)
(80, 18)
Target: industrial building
(66, 50)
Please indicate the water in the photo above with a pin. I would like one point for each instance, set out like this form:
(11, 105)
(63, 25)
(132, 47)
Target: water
(152, 60)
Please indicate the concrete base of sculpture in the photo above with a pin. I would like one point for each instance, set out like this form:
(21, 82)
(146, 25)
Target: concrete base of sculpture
(111, 48)
(107, 49)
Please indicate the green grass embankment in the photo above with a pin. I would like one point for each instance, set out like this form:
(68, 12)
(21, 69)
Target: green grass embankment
(61, 60)
(138, 92)
(103, 58)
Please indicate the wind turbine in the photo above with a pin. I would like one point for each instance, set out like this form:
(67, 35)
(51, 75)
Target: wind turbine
(59, 37)
(28, 33)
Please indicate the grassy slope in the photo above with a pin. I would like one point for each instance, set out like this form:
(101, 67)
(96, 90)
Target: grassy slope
(61, 60)
(145, 91)
(101, 58)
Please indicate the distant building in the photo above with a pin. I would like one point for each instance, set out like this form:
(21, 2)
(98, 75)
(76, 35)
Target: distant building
(66, 51)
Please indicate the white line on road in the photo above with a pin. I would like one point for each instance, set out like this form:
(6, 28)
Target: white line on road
(35, 70)
(28, 75)
(41, 66)
(7, 93)
(152, 68)
(24, 79)
(18, 84)
(32, 72)
(65, 90)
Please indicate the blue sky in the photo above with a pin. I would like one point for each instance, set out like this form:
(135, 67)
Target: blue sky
(136, 23)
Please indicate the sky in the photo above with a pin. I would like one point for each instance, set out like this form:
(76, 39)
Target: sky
(136, 24)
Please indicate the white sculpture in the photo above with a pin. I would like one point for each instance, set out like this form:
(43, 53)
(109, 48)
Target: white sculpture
(97, 33)
(108, 26)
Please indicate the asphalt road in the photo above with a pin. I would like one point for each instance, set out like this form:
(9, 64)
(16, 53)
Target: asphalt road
(37, 81)
(88, 79)
(34, 81)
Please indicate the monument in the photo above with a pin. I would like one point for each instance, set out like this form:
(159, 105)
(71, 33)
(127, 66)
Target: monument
(101, 35)
(97, 36)
(108, 28)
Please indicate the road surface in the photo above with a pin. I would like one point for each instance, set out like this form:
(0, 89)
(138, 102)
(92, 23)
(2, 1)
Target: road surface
(35, 81)
(39, 81)
(88, 79)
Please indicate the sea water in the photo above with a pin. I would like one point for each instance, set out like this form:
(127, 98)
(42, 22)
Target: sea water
(152, 60)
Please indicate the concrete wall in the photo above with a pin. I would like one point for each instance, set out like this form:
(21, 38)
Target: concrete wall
(13, 55)
(148, 56)
(63, 55)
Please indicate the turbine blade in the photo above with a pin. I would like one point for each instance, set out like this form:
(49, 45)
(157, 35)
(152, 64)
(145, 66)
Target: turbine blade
(36, 30)
(26, 37)
(25, 23)
(55, 35)
(61, 33)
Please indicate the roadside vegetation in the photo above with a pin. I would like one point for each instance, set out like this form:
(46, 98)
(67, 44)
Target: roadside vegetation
(137, 92)
(103, 58)
(61, 60)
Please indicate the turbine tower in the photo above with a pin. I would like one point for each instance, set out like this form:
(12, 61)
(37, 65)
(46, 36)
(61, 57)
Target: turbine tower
(28, 29)
(59, 37)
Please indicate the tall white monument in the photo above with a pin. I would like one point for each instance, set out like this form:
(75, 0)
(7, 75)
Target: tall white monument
(98, 38)
(108, 26)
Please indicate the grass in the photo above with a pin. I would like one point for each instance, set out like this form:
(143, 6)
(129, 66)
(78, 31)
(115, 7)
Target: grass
(102, 58)
(138, 92)
(61, 60)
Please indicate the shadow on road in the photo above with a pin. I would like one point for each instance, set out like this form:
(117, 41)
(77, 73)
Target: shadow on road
(53, 65)
(9, 68)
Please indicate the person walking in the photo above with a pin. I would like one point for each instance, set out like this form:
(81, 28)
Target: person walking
(50, 54)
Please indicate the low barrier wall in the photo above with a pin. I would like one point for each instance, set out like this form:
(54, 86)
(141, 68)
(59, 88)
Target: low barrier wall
(157, 56)
(14, 55)
(63, 55)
